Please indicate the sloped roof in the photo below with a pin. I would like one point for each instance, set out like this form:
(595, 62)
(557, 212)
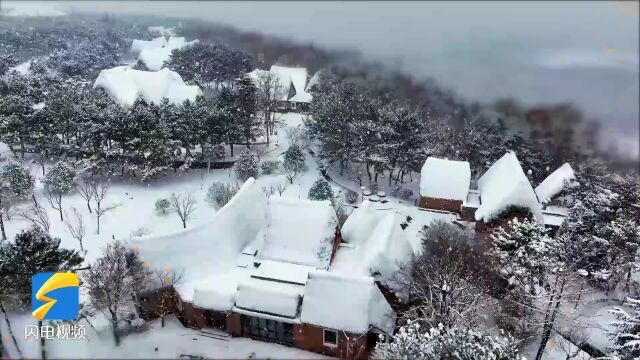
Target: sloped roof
(553, 184)
(378, 243)
(314, 81)
(207, 249)
(445, 179)
(349, 303)
(296, 76)
(269, 297)
(154, 57)
(503, 185)
(124, 85)
(299, 232)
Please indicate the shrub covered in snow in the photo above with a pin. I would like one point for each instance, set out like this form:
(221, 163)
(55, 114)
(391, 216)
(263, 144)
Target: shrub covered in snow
(141, 231)
(246, 166)
(351, 196)
(270, 167)
(162, 205)
(321, 190)
(220, 193)
(412, 342)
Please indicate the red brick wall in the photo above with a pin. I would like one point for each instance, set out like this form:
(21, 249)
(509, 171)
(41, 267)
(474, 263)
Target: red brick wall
(311, 338)
(468, 213)
(440, 204)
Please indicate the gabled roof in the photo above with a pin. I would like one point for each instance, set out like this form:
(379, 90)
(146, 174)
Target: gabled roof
(299, 232)
(553, 184)
(350, 303)
(445, 179)
(503, 185)
(378, 244)
(292, 76)
(124, 85)
(314, 81)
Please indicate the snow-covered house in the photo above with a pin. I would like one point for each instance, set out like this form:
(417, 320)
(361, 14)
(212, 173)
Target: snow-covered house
(444, 184)
(124, 85)
(293, 95)
(254, 272)
(504, 185)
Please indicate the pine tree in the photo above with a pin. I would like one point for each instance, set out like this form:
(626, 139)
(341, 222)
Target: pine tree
(60, 180)
(294, 162)
(321, 190)
(33, 251)
(246, 104)
(626, 336)
(15, 183)
(246, 166)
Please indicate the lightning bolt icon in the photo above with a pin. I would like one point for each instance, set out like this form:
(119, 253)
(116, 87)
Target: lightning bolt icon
(57, 281)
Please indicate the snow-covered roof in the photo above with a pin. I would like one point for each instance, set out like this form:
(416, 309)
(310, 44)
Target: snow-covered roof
(299, 232)
(445, 179)
(314, 81)
(138, 45)
(553, 184)
(230, 230)
(154, 57)
(270, 297)
(342, 302)
(296, 76)
(124, 85)
(282, 271)
(503, 185)
(553, 219)
(162, 30)
(377, 243)
(218, 292)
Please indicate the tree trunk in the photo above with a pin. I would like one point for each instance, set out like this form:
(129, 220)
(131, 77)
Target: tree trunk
(114, 327)
(162, 320)
(4, 234)
(231, 148)
(60, 206)
(184, 223)
(98, 224)
(43, 349)
(13, 336)
(35, 202)
(548, 325)
(89, 206)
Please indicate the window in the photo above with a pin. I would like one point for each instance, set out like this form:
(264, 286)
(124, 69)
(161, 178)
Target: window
(330, 338)
(293, 105)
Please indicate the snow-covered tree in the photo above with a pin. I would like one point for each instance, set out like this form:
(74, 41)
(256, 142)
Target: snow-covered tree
(59, 181)
(445, 283)
(220, 193)
(246, 109)
(626, 333)
(294, 162)
(114, 281)
(412, 342)
(75, 226)
(33, 251)
(162, 205)
(246, 166)
(270, 91)
(15, 183)
(99, 193)
(321, 190)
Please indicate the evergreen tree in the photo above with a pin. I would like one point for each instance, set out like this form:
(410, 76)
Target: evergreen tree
(321, 190)
(60, 180)
(33, 251)
(246, 104)
(246, 166)
(15, 183)
(626, 335)
(294, 162)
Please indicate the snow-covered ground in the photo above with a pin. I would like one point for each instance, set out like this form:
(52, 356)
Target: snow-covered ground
(169, 342)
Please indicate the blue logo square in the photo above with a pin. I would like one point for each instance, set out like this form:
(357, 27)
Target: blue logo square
(55, 296)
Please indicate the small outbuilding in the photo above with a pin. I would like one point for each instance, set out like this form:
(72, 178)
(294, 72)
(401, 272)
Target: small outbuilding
(444, 184)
